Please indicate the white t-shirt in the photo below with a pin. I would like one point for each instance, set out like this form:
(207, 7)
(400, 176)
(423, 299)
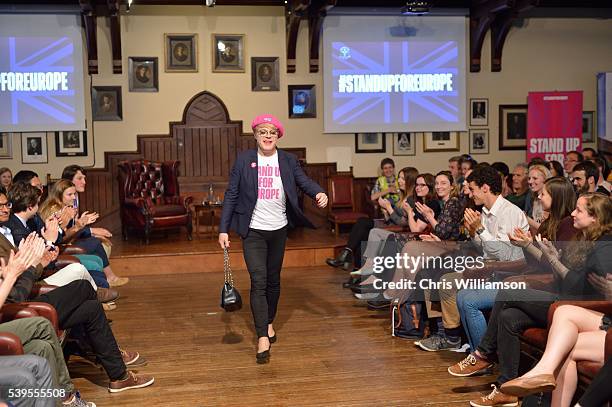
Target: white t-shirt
(271, 208)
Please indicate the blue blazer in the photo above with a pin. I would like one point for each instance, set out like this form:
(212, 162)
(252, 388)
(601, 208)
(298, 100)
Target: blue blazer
(241, 194)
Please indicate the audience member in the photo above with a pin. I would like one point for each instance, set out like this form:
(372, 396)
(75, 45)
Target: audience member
(558, 200)
(572, 158)
(454, 166)
(520, 186)
(61, 202)
(576, 334)
(538, 174)
(556, 169)
(589, 153)
(504, 171)
(603, 186)
(6, 177)
(386, 185)
(585, 177)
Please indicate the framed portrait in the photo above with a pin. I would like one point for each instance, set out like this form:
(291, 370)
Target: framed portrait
(404, 143)
(479, 141)
(588, 127)
(70, 143)
(34, 148)
(143, 74)
(6, 145)
(512, 127)
(106, 103)
(479, 112)
(441, 141)
(264, 74)
(228, 52)
(302, 101)
(370, 143)
(181, 52)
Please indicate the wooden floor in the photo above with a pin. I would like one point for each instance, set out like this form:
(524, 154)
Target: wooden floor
(331, 350)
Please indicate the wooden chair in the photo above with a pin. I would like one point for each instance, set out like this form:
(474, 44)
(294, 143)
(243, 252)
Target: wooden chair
(342, 202)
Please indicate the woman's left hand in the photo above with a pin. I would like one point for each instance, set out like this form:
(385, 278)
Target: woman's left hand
(602, 284)
(321, 199)
(424, 210)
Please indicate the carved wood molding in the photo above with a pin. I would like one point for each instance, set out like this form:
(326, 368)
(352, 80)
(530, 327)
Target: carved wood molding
(88, 21)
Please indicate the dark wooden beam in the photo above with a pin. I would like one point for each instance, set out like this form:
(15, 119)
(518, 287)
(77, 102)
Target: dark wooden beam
(295, 11)
(317, 12)
(88, 21)
(115, 30)
(482, 15)
(501, 27)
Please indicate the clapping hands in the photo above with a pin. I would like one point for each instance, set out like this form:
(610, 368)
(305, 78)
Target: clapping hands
(86, 218)
(520, 238)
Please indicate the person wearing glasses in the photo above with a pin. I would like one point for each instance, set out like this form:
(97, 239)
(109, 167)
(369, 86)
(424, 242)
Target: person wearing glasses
(571, 159)
(261, 202)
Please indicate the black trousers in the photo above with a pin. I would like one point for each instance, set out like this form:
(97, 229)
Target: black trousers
(77, 306)
(513, 312)
(358, 236)
(599, 391)
(263, 253)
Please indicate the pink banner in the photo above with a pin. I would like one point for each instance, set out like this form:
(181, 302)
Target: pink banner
(554, 124)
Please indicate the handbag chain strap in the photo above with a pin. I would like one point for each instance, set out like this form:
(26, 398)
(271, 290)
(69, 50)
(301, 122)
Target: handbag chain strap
(227, 271)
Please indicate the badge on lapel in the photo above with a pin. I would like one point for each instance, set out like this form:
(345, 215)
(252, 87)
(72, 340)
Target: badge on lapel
(253, 165)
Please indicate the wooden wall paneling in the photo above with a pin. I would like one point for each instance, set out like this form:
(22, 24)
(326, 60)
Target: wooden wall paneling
(224, 154)
(210, 161)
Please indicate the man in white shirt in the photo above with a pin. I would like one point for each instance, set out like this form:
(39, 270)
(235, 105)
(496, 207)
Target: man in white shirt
(489, 230)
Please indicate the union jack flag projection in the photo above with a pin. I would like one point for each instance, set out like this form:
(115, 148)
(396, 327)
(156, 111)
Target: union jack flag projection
(413, 95)
(37, 78)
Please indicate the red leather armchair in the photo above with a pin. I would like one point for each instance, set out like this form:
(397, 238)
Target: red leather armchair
(342, 202)
(149, 198)
(10, 343)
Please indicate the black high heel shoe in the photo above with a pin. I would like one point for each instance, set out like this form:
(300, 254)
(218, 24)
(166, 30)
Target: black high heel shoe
(272, 338)
(263, 357)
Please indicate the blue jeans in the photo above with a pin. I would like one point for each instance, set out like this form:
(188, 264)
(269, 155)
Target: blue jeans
(471, 304)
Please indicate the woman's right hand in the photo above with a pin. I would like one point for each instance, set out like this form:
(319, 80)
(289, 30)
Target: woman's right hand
(224, 240)
(520, 238)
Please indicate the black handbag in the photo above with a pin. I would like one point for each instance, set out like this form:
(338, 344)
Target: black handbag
(230, 297)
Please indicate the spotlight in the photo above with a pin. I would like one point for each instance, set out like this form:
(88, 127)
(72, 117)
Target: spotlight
(210, 3)
(129, 5)
(415, 8)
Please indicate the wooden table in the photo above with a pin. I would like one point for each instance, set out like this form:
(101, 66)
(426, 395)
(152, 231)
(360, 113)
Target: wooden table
(203, 208)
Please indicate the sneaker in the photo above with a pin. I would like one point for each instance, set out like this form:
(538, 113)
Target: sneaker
(495, 398)
(132, 358)
(133, 381)
(77, 401)
(470, 366)
(365, 296)
(436, 343)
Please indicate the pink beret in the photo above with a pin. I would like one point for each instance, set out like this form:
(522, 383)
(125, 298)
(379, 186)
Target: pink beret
(269, 119)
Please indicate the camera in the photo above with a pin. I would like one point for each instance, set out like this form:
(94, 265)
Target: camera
(210, 3)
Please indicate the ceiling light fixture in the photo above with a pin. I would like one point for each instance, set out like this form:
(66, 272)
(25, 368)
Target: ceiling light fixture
(416, 8)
